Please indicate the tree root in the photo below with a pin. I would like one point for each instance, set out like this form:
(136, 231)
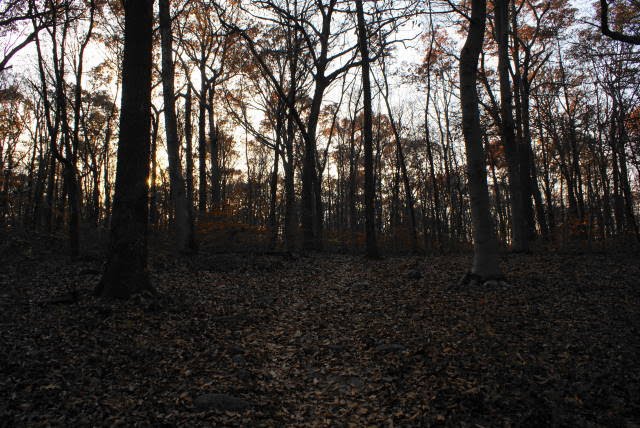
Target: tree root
(472, 279)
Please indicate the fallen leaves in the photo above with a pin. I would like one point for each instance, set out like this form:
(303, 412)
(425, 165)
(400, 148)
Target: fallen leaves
(325, 340)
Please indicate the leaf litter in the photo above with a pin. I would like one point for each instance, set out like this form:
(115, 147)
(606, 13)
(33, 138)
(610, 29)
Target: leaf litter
(324, 340)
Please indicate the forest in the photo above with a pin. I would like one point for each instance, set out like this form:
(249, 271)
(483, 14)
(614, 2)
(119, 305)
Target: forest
(319, 213)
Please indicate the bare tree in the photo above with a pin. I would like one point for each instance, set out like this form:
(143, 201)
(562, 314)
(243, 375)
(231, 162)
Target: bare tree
(183, 223)
(485, 254)
(369, 185)
(12, 15)
(126, 272)
(607, 31)
(518, 221)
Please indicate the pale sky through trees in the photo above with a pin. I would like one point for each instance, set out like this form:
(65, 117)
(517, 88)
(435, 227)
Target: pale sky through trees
(406, 56)
(270, 95)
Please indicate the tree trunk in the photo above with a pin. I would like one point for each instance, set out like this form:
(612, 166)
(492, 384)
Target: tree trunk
(126, 268)
(106, 179)
(188, 136)
(546, 179)
(485, 255)
(154, 212)
(522, 81)
(288, 154)
(624, 174)
(435, 190)
(39, 189)
(215, 151)
(290, 210)
(310, 208)
(518, 221)
(273, 189)
(526, 163)
(369, 185)
(51, 188)
(202, 140)
(502, 224)
(183, 227)
(353, 162)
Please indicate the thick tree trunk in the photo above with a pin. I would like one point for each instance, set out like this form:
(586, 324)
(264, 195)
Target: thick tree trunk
(526, 164)
(485, 255)
(126, 268)
(310, 198)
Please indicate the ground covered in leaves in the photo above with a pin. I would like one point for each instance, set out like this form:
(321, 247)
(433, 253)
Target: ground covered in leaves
(325, 340)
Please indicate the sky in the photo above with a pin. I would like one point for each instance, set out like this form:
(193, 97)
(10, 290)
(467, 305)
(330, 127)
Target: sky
(403, 95)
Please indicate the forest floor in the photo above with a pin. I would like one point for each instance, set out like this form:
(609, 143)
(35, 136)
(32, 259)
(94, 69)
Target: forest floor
(325, 340)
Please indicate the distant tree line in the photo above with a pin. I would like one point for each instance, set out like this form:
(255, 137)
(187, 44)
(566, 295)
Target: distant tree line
(296, 125)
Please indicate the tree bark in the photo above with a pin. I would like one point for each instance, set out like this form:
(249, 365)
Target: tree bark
(202, 139)
(519, 242)
(188, 136)
(310, 209)
(485, 255)
(435, 190)
(273, 185)
(126, 268)
(154, 212)
(607, 31)
(183, 227)
(369, 185)
(215, 152)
